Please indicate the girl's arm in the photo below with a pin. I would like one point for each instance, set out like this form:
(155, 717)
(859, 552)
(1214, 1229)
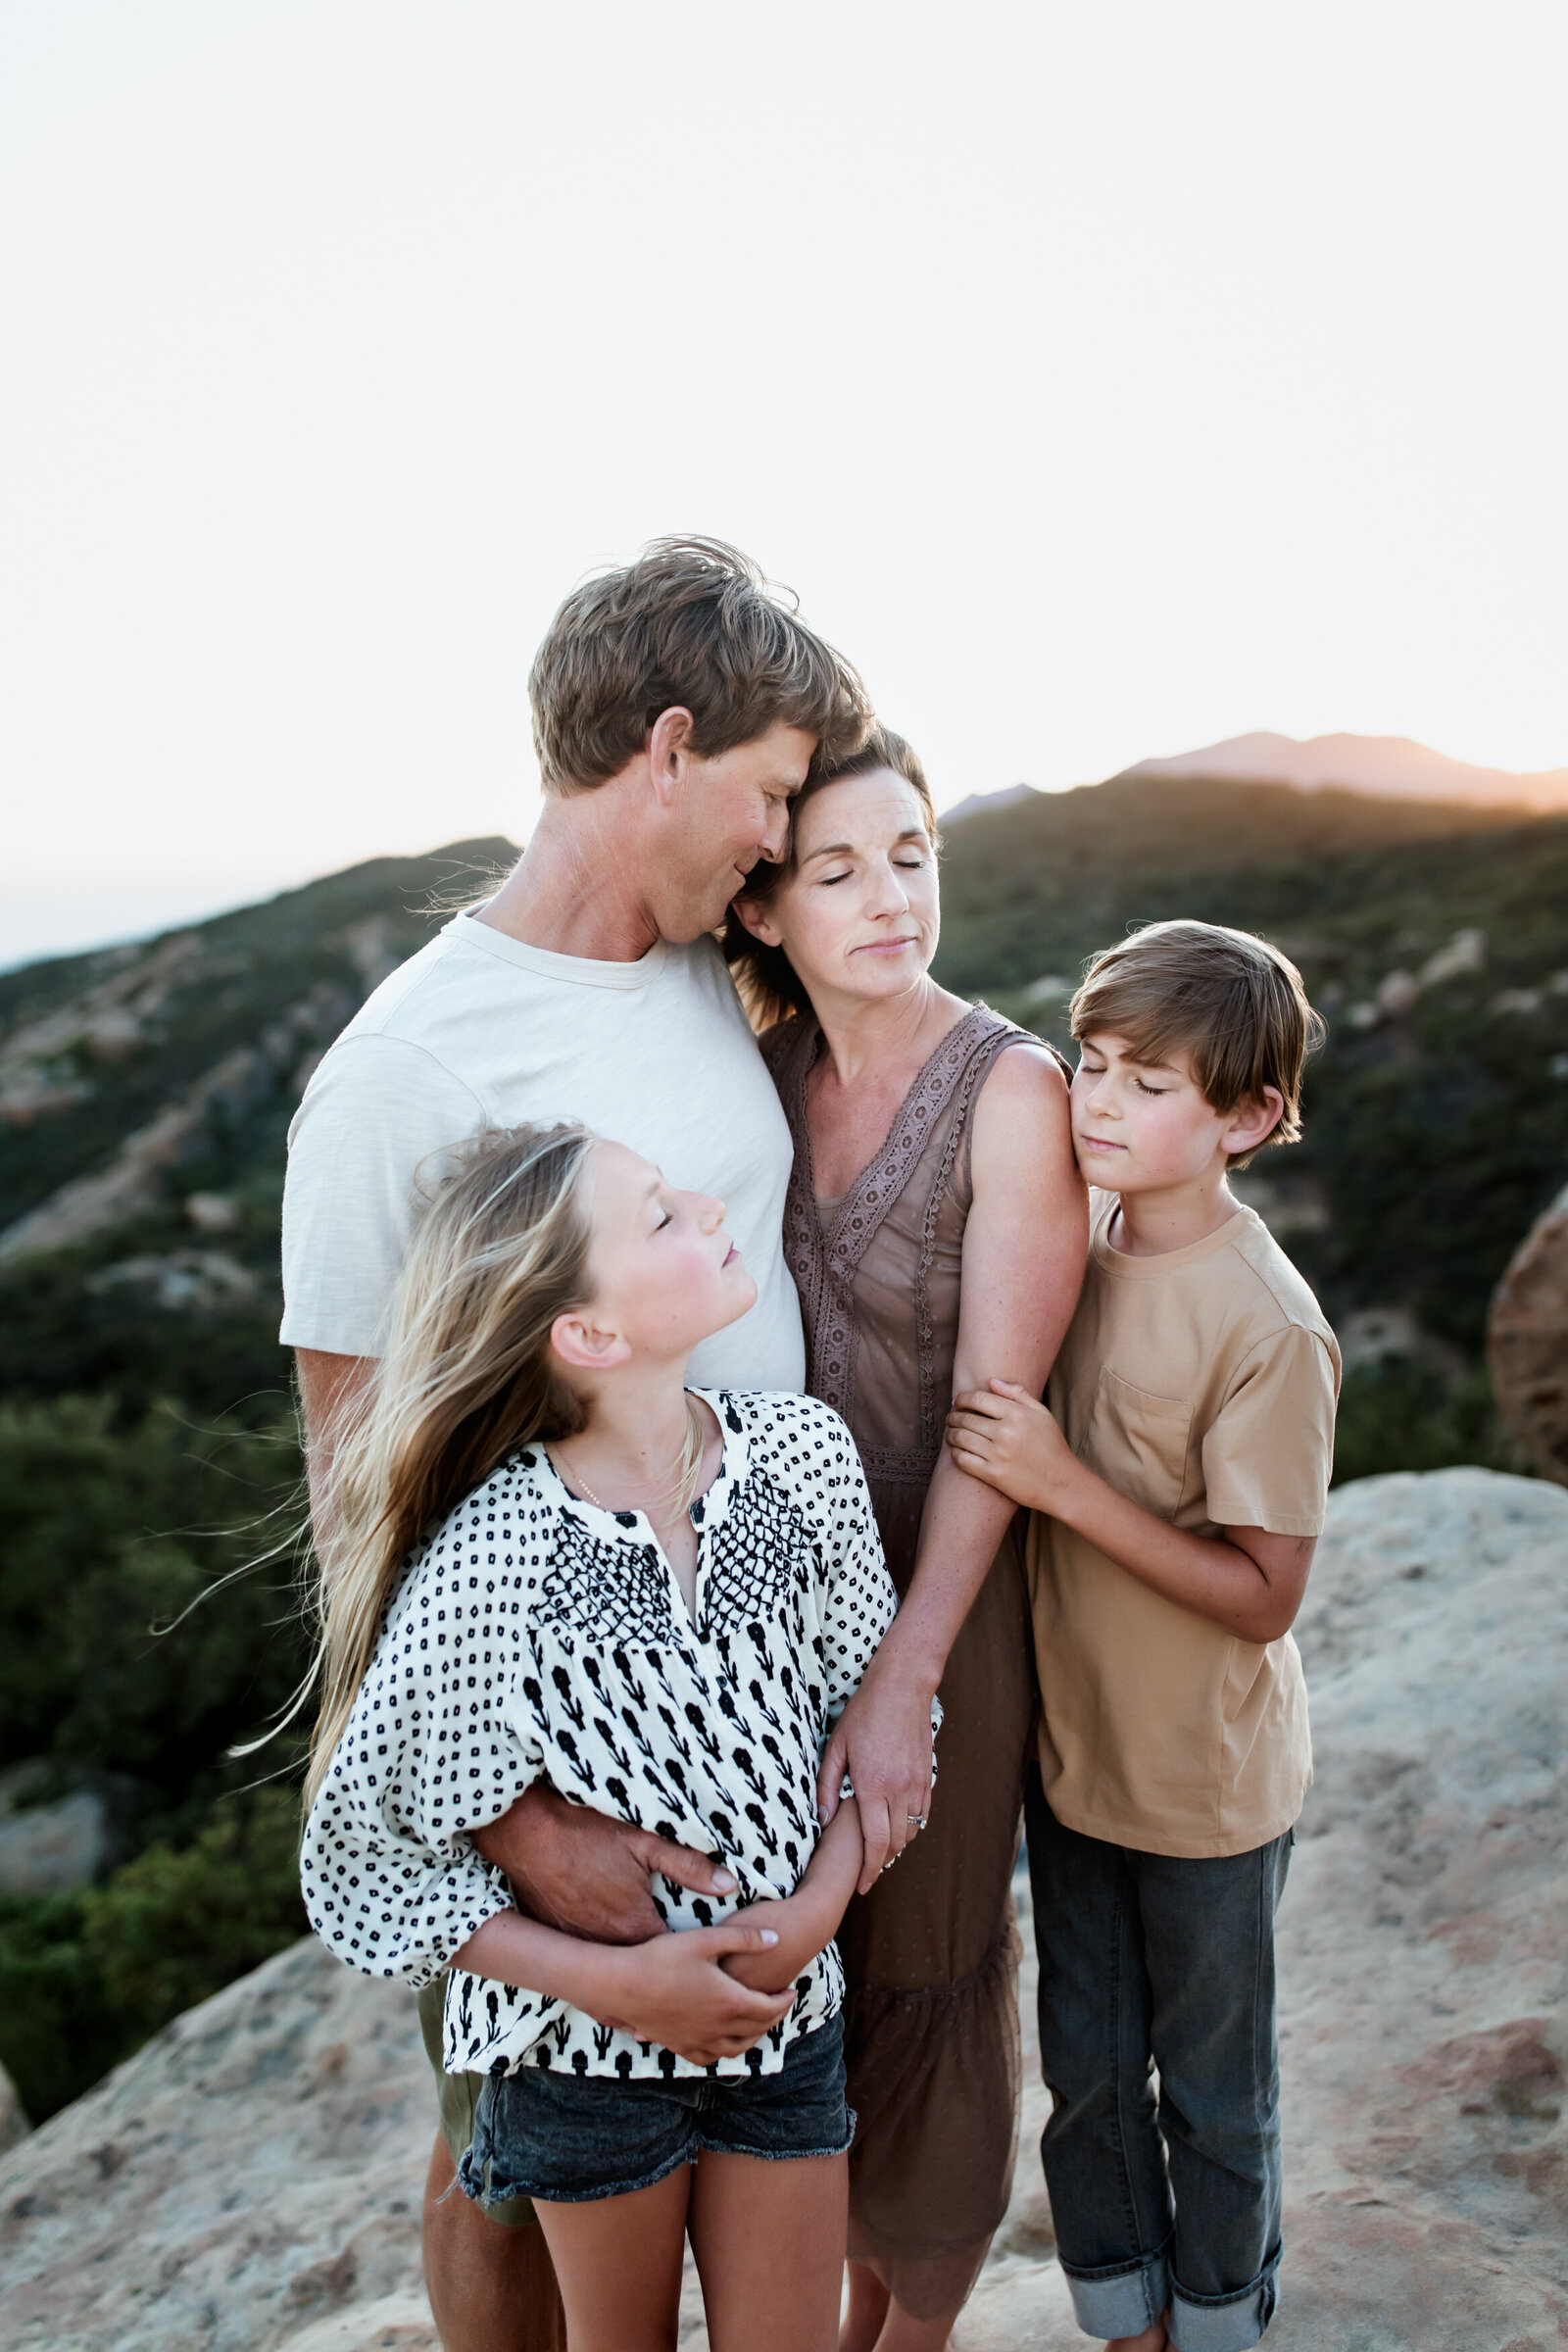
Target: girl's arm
(807, 1920)
(671, 1990)
(1025, 1248)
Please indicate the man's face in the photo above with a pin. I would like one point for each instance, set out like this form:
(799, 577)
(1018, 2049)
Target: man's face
(730, 811)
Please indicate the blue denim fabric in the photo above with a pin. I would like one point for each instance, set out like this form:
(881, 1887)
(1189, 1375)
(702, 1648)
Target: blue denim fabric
(1151, 1961)
(569, 2139)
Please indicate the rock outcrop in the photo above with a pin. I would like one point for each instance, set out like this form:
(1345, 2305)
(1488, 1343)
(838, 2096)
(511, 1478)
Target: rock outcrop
(1527, 1342)
(252, 2179)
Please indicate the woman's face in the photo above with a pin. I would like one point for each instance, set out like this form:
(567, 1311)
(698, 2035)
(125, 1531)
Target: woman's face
(858, 914)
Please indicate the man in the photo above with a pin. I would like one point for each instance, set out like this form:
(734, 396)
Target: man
(677, 707)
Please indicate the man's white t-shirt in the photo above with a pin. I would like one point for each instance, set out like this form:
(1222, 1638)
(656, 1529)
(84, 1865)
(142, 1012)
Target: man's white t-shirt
(477, 1030)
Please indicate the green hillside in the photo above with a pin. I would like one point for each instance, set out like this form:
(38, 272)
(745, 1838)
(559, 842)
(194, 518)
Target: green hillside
(147, 1443)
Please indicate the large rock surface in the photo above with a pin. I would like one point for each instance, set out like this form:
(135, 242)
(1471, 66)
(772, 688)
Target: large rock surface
(252, 2179)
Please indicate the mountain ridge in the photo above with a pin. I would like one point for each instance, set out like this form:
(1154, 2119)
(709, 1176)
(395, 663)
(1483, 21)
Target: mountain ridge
(1378, 766)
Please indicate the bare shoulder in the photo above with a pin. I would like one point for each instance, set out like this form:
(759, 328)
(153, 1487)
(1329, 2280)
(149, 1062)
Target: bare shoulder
(1025, 1080)
(1022, 1132)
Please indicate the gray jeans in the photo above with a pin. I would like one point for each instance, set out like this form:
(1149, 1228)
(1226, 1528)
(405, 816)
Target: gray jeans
(1167, 2204)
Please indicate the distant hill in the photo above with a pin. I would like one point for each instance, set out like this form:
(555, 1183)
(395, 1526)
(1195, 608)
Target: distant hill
(1389, 765)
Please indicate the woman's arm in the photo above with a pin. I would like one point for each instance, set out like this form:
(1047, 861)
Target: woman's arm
(1024, 1248)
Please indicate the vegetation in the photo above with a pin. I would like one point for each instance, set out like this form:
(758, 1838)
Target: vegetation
(147, 1439)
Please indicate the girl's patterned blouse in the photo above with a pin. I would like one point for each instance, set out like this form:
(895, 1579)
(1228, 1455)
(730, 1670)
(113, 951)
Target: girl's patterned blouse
(536, 1637)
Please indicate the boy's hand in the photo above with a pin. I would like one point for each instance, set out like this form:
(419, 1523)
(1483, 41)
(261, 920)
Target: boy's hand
(1005, 1437)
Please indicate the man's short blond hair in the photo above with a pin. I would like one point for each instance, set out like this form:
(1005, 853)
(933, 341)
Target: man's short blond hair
(694, 625)
(1233, 1005)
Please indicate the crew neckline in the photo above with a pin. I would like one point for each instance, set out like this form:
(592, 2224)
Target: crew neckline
(585, 970)
(1126, 1268)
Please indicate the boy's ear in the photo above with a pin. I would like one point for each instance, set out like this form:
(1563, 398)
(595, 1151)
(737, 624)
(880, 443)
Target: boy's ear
(758, 922)
(1254, 1120)
(585, 1344)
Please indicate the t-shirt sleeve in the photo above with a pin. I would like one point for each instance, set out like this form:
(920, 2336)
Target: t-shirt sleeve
(376, 1111)
(1269, 1453)
(392, 1883)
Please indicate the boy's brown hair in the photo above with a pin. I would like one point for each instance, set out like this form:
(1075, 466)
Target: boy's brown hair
(1232, 1003)
(692, 624)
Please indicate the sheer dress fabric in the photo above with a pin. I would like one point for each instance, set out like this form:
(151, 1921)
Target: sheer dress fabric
(931, 1955)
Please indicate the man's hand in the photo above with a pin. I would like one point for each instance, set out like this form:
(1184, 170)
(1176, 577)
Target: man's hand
(1005, 1438)
(579, 1871)
(882, 1742)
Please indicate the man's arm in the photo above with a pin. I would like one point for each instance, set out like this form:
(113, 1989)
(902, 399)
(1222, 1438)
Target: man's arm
(331, 1388)
(1249, 1583)
(571, 1868)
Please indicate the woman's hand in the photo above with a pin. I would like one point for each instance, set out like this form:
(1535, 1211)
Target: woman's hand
(1005, 1437)
(882, 1744)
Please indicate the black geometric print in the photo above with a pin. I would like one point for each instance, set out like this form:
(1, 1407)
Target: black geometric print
(615, 1592)
(535, 1637)
(756, 1556)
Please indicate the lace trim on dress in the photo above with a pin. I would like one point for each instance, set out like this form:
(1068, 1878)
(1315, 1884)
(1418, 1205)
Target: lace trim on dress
(824, 1261)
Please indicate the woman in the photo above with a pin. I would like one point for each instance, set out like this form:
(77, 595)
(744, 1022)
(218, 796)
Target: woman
(937, 1230)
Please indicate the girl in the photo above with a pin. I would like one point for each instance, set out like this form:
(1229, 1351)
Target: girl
(554, 1560)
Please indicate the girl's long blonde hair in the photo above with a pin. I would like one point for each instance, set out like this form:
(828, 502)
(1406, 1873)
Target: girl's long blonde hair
(501, 1250)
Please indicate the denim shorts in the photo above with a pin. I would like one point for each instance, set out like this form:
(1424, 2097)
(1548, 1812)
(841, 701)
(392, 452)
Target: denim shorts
(569, 2139)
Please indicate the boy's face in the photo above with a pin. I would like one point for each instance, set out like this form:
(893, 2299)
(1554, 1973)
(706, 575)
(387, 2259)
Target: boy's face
(1139, 1127)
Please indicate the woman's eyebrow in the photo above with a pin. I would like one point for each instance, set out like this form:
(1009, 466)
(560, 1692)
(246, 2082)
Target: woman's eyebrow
(846, 849)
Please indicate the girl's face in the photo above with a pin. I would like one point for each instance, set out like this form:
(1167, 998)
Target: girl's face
(858, 914)
(666, 1272)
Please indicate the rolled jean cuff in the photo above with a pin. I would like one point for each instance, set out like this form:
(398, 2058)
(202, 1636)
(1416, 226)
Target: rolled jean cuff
(1224, 2322)
(1123, 2300)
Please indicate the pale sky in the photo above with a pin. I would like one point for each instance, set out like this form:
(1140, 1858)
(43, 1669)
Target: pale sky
(1107, 380)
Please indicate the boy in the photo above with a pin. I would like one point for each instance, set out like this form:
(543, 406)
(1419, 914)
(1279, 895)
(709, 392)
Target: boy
(1177, 1485)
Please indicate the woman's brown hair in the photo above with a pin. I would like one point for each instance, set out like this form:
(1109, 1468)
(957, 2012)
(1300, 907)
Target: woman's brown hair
(770, 989)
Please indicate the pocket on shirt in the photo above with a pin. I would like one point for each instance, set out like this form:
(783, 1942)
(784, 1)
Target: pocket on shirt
(1138, 1444)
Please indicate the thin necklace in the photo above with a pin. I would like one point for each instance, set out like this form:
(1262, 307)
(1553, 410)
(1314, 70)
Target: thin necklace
(687, 1474)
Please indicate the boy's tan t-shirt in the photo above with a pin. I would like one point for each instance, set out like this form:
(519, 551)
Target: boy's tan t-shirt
(1201, 1383)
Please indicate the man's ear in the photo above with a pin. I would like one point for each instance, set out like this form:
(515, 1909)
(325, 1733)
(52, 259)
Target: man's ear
(585, 1344)
(754, 915)
(670, 752)
(1254, 1120)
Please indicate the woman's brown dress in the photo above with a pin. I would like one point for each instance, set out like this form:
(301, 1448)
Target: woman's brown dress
(931, 1953)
